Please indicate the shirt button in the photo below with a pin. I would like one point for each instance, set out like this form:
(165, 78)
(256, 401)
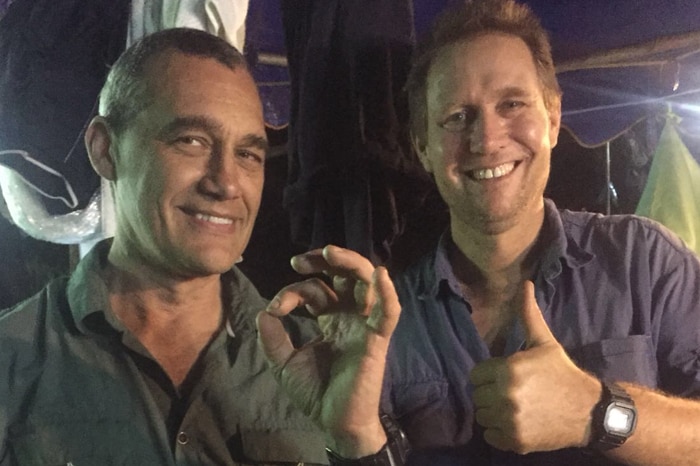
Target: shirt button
(182, 438)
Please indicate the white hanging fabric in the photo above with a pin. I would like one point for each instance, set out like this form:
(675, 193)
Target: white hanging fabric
(223, 18)
(27, 210)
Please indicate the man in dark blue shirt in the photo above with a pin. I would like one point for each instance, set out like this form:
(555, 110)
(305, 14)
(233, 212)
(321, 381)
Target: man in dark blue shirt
(529, 336)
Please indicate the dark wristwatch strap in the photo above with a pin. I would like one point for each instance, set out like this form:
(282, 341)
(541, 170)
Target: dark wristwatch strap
(394, 452)
(381, 458)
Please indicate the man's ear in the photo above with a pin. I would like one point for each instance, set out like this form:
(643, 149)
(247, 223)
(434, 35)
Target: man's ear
(99, 144)
(421, 149)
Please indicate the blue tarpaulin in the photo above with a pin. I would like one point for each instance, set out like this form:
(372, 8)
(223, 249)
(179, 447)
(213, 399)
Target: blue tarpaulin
(639, 48)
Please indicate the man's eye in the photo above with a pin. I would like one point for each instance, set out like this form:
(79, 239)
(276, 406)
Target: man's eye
(459, 121)
(512, 105)
(190, 141)
(251, 156)
(192, 145)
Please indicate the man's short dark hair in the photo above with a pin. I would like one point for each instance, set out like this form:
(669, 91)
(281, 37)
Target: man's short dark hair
(470, 19)
(124, 94)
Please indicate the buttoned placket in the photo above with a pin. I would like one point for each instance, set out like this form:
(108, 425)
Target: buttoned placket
(185, 442)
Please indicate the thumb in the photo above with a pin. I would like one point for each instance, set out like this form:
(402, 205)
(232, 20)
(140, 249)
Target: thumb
(536, 329)
(387, 309)
(273, 339)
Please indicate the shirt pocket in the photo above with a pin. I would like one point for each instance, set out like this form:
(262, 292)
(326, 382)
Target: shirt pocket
(77, 443)
(628, 359)
(284, 446)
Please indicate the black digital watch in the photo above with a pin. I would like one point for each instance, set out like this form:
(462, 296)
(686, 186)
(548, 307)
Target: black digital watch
(614, 418)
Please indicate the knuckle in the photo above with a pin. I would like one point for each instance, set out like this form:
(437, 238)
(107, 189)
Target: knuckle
(313, 282)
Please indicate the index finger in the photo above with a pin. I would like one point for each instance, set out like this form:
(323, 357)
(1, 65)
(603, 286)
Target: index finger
(333, 260)
(310, 262)
(312, 293)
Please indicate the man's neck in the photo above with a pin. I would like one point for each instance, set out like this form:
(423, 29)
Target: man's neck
(491, 270)
(173, 319)
(493, 258)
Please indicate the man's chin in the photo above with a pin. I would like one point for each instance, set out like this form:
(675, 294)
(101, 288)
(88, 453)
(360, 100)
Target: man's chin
(211, 265)
(493, 227)
(491, 222)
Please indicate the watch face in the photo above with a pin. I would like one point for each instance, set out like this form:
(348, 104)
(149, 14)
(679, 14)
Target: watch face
(619, 419)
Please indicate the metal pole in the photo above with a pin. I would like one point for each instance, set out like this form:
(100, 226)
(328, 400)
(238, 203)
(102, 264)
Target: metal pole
(608, 183)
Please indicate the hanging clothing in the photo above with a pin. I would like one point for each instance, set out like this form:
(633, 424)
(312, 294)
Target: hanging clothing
(4, 5)
(352, 174)
(54, 60)
(223, 18)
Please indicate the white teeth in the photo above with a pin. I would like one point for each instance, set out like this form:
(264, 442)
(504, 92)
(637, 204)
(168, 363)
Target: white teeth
(212, 219)
(488, 173)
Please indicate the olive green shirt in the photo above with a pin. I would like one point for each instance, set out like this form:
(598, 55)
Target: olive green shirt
(76, 388)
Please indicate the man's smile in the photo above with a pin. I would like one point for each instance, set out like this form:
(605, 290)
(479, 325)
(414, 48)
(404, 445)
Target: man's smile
(489, 173)
(214, 219)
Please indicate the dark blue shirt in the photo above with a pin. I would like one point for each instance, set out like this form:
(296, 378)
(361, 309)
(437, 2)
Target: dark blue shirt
(620, 293)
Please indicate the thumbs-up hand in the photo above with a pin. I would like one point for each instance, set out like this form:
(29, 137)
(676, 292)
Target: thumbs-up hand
(536, 399)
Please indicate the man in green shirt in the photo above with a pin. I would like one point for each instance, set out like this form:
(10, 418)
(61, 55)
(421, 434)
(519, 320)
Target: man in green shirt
(147, 354)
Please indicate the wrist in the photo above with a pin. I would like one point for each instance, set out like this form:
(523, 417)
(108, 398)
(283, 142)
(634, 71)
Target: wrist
(393, 452)
(589, 403)
(368, 441)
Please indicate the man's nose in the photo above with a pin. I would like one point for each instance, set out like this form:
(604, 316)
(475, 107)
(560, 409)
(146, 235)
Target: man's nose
(487, 133)
(222, 178)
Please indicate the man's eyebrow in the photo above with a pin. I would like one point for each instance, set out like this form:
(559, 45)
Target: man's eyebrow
(513, 91)
(190, 122)
(253, 140)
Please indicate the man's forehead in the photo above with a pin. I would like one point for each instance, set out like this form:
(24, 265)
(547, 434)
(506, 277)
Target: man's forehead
(177, 70)
(488, 43)
(172, 64)
(177, 97)
(454, 64)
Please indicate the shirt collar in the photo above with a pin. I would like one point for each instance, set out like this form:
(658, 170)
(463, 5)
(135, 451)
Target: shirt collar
(443, 269)
(557, 247)
(87, 291)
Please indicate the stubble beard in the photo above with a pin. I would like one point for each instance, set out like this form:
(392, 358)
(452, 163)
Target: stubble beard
(483, 219)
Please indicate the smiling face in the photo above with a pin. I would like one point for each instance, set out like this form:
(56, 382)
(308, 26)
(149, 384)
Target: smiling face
(489, 136)
(188, 172)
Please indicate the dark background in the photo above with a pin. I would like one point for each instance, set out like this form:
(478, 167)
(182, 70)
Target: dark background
(578, 178)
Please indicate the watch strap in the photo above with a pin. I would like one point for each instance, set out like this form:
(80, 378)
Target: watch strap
(382, 458)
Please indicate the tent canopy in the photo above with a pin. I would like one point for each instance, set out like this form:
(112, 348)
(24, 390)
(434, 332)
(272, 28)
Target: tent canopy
(618, 62)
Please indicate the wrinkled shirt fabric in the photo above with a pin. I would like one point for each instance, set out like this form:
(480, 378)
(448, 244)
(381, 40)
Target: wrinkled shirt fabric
(76, 387)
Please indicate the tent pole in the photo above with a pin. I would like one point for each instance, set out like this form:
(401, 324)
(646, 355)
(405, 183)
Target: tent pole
(608, 183)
